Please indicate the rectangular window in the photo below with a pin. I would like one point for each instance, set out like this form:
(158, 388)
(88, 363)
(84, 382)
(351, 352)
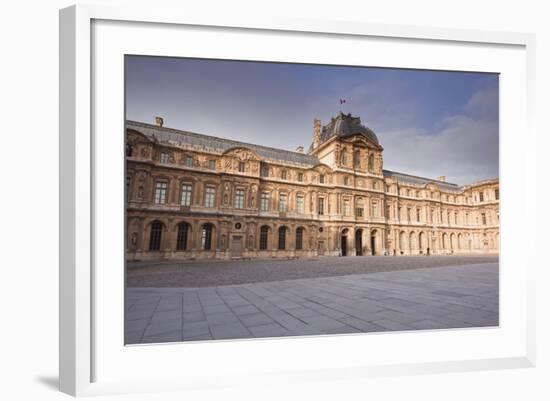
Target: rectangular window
(189, 161)
(322, 179)
(301, 177)
(481, 196)
(264, 202)
(241, 167)
(375, 210)
(497, 195)
(321, 206)
(417, 214)
(160, 193)
(264, 171)
(282, 203)
(283, 174)
(300, 204)
(239, 198)
(483, 219)
(209, 196)
(164, 158)
(359, 211)
(186, 194)
(263, 238)
(212, 164)
(345, 209)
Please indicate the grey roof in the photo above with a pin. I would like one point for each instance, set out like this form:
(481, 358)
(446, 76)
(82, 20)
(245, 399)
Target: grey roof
(215, 144)
(415, 180)
(344, 125)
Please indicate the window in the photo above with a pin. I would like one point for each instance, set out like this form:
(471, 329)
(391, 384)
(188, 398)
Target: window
(264, 233)
(481, 196)
(239, 198)
(321, 206)
(282, 203)
(356, 159)
(283, 174)
(206, 237)
(129, 150)
(375, 209)
(264, 201)
(264, 171)
(300, 204)
(346, 180)
(241, 167)
(156, 236)
(160, 193)
(497, 195)
(212, 164)
(164, 158)
(417, 214)
(189, 161)
(282, 238)
(408, 214)
(344, 157)
(483, 219)
(209, 197)
(371, 162)
(299, 238)
(301, 177)
(322, 179)
(183, 233)
(128, 181)
(387, 213)
(186, 191)
(374, 185)
(456, 218)
(359, 209)
(345, 208)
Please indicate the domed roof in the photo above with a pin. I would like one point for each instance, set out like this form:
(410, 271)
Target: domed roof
(344, 125)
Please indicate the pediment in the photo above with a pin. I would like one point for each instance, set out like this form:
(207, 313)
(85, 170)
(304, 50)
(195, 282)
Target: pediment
(242, 153)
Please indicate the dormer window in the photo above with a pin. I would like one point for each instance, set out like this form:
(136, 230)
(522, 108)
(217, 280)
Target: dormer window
(189, 161)
(241, 167)
(322, 179)
(283, 174)
(164, 158)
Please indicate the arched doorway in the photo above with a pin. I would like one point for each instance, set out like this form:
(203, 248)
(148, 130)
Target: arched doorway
(373, 247)
(344, 242)
(359, 242)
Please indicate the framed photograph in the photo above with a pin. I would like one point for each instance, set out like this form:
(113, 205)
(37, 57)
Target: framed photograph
(266, 200)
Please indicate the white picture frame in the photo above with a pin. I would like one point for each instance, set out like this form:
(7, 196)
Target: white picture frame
(83, 349)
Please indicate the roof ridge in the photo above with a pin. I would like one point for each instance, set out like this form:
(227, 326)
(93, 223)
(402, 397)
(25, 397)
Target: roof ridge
(178, 131)
(422, 178)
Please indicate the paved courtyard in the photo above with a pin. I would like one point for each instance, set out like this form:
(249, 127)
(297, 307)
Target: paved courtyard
(453, 295)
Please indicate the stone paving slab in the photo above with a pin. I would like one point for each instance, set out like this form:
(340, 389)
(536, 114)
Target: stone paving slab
(420, 299)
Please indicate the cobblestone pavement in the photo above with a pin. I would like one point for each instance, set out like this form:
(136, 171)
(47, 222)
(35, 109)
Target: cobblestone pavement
(424, 298)
(209, 273)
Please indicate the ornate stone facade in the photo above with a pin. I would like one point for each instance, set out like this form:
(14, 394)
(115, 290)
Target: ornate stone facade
(197, 196)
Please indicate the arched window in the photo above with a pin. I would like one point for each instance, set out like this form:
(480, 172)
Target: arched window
(183, 234)
(371, 162)
(282, 238)
(264, 235)
(344, 157)
(156, 236)
(356, 159)
(206, 236)
(299, 238)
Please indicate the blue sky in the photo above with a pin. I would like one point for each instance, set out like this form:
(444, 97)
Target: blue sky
(430, 123)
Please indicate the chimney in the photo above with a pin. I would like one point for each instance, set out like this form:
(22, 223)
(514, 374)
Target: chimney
(316, 132)
(300, 149)
(441, 178)
(159, 121)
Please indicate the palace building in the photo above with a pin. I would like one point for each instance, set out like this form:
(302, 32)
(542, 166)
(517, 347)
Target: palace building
(197, 196)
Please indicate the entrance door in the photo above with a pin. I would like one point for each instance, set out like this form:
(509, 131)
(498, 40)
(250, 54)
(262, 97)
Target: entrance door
(344, 245)
(359, 242)
(321, 248)
(373, 244)
(237, 246)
